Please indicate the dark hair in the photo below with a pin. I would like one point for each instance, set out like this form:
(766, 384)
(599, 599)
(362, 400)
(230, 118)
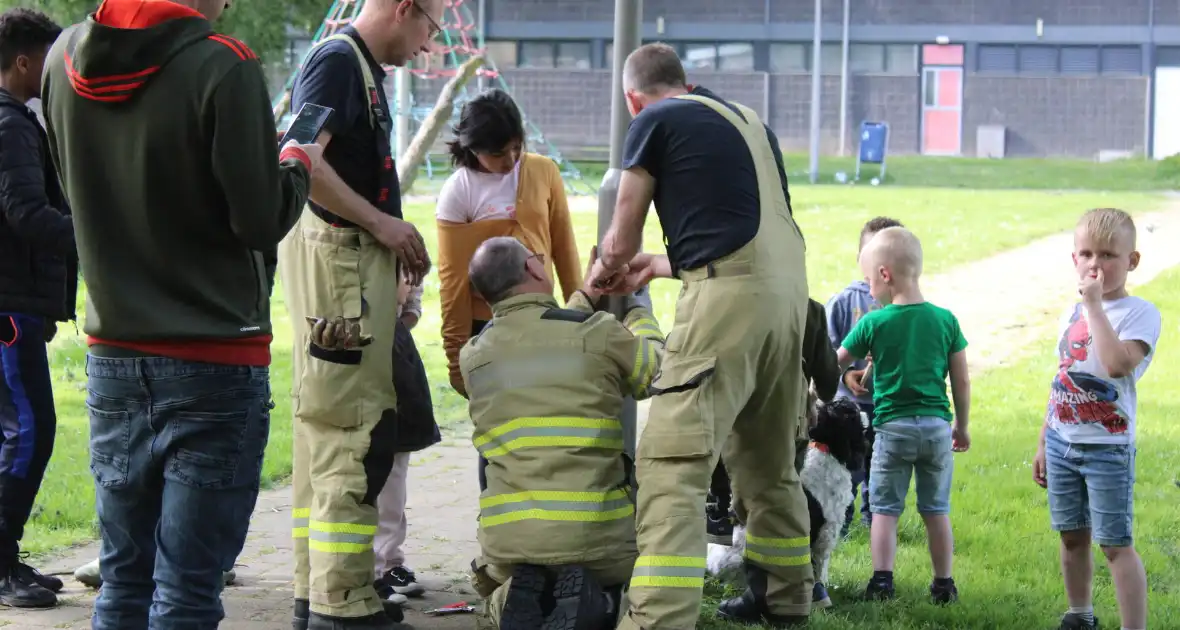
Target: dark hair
(653, 67)
(839, 428)
(487, 123)
(24, 32)
(876, 225)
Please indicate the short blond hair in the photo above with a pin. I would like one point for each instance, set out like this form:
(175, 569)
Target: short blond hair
(1104, 225)
(652, 68)
(896, 248)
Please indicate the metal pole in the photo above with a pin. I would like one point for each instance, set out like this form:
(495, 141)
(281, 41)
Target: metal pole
(628, 27)
(816, 88)
(481, 33)
(404, 101)
(844, 80)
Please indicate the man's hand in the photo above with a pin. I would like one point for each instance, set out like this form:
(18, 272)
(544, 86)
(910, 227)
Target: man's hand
(960, 439)
(337, 334)
(591, 291)
(1040, 475)
(1090, 288)
(315, 153)
(852, 380)
(404, 240)
(604, 280)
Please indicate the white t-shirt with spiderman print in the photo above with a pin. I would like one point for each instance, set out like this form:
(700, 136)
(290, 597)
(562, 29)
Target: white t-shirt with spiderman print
(1086, 405)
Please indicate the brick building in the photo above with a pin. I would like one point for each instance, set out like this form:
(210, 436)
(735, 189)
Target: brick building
(1062, 77)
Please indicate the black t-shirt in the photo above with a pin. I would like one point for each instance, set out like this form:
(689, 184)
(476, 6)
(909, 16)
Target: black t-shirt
(357, 151)
(706, 185)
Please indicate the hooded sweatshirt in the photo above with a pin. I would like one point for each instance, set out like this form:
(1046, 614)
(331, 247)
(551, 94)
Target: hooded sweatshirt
(164, 137)
(843, 311)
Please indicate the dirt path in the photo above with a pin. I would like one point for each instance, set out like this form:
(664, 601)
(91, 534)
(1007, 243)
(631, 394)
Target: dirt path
(1005, 303)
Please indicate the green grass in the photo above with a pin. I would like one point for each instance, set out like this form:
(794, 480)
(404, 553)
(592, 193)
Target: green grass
(956, 227)
(1006, 562)
(982, 174)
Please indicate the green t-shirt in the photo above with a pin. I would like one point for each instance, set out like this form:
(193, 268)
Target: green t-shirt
(911, 347)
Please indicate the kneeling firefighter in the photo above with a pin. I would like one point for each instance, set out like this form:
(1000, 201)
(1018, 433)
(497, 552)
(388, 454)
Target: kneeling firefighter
(546, 387)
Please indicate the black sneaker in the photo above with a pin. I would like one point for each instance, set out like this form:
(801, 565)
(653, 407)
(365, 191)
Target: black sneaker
(1074, 621)
(47, 582)
(946, 593)
(879, 589)
(719, 525)
(17, 589)
(401, 581)
(379, 621)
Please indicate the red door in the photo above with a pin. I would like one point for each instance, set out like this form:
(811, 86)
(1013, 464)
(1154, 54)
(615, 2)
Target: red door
(942, 99)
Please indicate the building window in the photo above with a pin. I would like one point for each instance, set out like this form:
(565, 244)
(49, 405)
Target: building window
(866, 58)
(700, 57)
(735, 57)
(1037, 59)
(787, 58)
(536, 55)
(1122, 60)
(1080, 60)
(574, 55)
(501, 53)
(996, 59)
(901, 59)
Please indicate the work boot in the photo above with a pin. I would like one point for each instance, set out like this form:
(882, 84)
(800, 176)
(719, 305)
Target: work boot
(379, 621)
(18, 590)
(523, 607)
(47, 582)
(578, 602)
(751, 608)
(301, 613)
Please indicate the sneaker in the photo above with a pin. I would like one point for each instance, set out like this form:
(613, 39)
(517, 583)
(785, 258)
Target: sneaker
(1074, 621)
(719, 525)
(47, 582)
(89, 574)
(402, 582)
(879, 589)
(228, 577)
(944, 593)
(17, 589)
(819, 596)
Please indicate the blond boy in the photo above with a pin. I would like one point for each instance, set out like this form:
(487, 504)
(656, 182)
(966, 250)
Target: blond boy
(1086, 454)
(914, 345)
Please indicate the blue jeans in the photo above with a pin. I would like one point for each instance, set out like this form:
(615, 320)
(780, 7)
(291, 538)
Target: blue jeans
(920, 447)
(1091, 486)
(176, 452)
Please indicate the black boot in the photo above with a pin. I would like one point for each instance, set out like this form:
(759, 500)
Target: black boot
(751, 607)
(19, 590)
(47, 582)
(578, 602)
(379, 621)
(523, 608)
(300, 615)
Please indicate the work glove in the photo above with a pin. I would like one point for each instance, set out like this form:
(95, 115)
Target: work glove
(337, 334)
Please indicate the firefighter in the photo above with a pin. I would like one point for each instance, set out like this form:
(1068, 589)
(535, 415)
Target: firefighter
(732, 377)
(546, 386)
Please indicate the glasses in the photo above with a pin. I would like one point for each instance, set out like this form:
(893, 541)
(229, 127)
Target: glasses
(435, 29)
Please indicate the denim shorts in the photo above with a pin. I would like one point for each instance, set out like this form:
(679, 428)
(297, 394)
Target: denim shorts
(1091, 487)
(920, 446)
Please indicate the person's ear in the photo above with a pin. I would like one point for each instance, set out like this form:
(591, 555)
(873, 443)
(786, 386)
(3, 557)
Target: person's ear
(1134, 261)
(22, 63)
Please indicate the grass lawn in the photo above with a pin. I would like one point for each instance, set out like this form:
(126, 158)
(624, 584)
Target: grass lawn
(956, 226)
(1006, 562)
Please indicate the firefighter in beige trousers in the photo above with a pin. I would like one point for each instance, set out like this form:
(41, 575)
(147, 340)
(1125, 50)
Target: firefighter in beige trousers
(731, 378)
(546, 386)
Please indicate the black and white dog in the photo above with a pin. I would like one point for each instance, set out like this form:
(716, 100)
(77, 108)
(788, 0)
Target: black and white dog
(837, 448)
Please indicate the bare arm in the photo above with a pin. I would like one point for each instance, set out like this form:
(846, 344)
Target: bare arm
(636, 189)
(1120, 358)
(960, 388)
(844, 358)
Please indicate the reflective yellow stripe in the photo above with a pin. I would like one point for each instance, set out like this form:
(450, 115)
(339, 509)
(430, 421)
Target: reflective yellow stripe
(299, 522)
(550, 432)
(669, 572)
(552, 505)
(645, 365)
(351, 538)
(782, 552)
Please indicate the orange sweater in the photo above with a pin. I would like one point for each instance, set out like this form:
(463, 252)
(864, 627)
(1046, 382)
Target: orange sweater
(542, 223)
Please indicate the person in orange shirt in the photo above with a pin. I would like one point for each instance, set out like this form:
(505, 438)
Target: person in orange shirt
(497, 189)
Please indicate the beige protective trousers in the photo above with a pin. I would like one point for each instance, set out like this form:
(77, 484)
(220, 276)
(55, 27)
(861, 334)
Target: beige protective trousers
(731, 381)
(340, 398)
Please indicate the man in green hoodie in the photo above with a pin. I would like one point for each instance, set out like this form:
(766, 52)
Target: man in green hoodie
(163, 135)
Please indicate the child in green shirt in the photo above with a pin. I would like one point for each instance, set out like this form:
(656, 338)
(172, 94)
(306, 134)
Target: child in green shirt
(913, 345)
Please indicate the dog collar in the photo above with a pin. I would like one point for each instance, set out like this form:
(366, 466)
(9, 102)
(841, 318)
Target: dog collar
(823, 448)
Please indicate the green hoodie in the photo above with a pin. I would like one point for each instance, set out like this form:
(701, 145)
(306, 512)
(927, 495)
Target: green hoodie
(164, 137)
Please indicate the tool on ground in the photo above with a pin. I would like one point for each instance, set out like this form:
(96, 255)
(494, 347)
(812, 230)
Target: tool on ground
(452, 609)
